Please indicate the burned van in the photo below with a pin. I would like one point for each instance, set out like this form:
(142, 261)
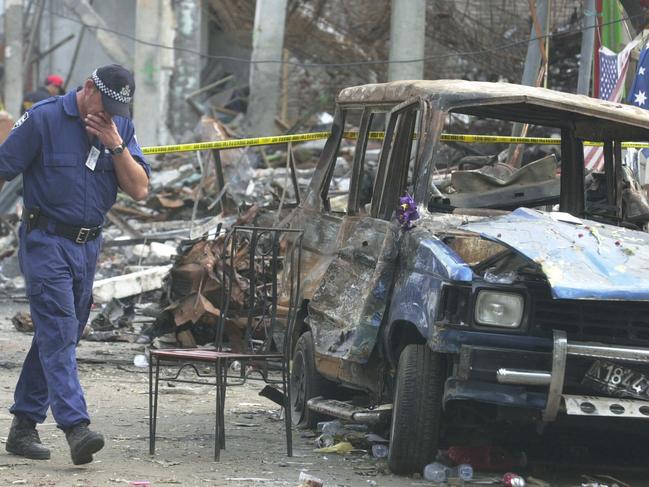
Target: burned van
(439, 277)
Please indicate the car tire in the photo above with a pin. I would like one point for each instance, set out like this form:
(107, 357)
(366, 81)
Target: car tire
(306, 383)
(417, 410)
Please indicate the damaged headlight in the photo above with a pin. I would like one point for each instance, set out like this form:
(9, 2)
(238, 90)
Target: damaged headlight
(494, 308)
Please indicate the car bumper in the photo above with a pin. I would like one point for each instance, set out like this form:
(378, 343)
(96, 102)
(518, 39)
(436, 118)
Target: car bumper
(536, 380)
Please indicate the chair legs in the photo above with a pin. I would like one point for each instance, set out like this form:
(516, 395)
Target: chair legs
(218, 426)
(151, 435)
(224, 382)
(221, 370)
(153, 402)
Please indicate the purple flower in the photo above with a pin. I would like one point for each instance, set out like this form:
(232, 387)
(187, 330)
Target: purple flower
(407, 212)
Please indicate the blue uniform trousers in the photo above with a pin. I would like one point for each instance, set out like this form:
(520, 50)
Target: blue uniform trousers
(58, 275)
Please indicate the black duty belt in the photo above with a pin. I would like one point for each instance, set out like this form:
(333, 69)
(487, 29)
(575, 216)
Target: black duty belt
(80, 235)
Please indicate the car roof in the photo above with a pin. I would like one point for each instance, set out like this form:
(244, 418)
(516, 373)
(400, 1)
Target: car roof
(591, 118)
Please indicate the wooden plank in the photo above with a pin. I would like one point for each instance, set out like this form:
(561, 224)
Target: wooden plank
(129, 284)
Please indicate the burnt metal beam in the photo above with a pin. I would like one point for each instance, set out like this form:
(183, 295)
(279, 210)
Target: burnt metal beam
(609, 171)
(572, 174)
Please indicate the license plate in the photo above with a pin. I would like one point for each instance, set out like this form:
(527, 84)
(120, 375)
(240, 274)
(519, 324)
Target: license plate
(617, 381)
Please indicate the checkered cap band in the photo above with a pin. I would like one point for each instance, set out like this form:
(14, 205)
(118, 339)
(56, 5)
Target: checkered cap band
(108, 92)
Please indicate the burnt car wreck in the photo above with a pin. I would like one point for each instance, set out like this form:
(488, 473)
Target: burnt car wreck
(513, 294)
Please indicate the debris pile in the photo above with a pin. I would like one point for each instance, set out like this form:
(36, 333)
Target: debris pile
(191, 195)
(200, 284)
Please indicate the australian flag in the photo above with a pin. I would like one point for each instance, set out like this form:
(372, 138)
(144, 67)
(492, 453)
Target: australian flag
(639, 95)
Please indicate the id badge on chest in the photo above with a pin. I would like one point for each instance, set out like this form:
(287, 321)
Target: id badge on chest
(93, 155)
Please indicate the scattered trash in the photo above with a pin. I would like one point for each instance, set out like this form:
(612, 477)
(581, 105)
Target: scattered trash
(140, 361)
(324, 441)
(489, 458)
(436, 472)
(307, 480)
(513, 480)
(116, 314)
(374, 438)
(340, 448)
(463, 471)
(380, 450)
(23, 322)
(601, 481)
(103, 336)
(329, 427)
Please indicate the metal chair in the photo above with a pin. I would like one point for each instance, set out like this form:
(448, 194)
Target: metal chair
(270, 253)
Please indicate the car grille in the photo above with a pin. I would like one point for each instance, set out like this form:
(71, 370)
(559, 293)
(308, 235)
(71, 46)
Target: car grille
(616, 322)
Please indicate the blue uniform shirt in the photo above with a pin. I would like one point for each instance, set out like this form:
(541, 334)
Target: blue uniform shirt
(49, 145)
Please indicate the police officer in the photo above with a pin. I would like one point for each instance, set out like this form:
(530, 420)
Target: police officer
(73, 151)
(53, 86)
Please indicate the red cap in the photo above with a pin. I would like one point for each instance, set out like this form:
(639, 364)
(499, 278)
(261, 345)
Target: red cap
(54, 79)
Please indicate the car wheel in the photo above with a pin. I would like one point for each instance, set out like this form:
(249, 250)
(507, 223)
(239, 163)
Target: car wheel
(417, 410)
(306, 383)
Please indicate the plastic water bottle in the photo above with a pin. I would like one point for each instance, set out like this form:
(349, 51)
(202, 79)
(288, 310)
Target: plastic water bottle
(379, 450)
(331, 427)
(436, 472)
(463, 471)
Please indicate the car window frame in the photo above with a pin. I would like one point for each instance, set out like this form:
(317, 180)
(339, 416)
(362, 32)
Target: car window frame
(385, 194)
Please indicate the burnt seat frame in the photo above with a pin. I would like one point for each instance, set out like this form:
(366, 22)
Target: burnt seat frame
(260, 309)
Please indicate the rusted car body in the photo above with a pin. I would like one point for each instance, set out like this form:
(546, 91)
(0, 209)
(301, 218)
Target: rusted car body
(476, 304)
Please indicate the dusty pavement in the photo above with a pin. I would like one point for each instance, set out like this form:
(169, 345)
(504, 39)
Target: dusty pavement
(116, 392)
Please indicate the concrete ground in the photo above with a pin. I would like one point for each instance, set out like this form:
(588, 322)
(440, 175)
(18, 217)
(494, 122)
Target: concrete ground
(116, 392)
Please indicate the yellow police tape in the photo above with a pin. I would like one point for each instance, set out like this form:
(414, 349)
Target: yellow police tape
(285, 139)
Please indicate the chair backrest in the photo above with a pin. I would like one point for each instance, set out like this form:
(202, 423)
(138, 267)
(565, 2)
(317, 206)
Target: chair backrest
(260, 276)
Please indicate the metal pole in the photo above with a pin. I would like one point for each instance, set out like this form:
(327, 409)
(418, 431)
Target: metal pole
(49, 51)
(265, 78)
(531, 70)
(32, 36)
(13, 82)
(535, 47)
(547, 45)
(77, 48)
(407, 39)
(587, 48)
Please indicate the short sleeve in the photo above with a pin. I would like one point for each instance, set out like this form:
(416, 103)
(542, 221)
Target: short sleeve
(22, 147)
(130, 139)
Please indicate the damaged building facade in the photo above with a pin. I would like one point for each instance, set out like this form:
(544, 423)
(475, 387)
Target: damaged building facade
(196, 57)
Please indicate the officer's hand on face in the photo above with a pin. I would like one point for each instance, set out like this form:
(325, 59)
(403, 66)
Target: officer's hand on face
(102, 126)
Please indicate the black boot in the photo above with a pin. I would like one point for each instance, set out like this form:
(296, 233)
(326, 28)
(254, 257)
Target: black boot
(83, 443)
(23, 440)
